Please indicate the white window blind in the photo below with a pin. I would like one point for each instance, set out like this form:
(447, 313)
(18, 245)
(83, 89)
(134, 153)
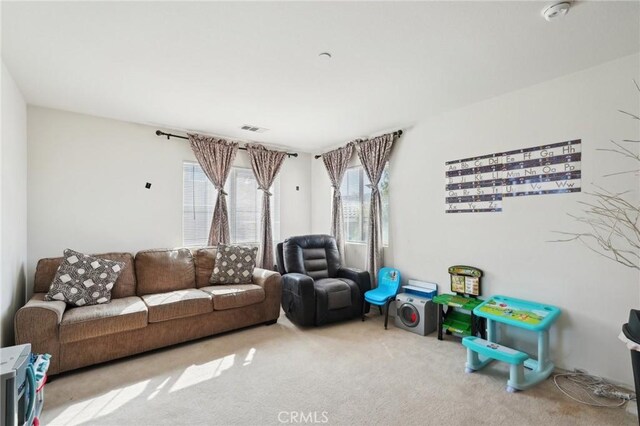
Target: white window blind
(356, 199)
(244, 203)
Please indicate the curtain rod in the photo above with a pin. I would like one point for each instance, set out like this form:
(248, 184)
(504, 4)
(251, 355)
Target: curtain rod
(171, 135)
(396, 133)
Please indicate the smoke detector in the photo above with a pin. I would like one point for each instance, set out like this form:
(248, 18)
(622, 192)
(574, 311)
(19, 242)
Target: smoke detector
(556, 11)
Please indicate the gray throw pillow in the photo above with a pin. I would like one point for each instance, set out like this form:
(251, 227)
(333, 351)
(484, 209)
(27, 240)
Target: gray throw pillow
(234, 264)
(84, 280)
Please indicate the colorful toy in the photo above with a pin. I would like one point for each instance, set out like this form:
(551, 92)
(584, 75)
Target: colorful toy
(465, 280)
(465, 283)
(523, 314)
(384, 294)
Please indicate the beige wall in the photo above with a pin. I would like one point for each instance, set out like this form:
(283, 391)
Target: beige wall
(86, 186)
(512, 247)
(13, 189)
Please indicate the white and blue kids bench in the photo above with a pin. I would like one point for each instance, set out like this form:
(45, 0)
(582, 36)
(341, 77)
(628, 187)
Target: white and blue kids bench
(517, 313)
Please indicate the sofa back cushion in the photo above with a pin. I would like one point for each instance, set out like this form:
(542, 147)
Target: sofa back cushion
(164, 270)
(125, 285)
(314, 255)
(205, 258)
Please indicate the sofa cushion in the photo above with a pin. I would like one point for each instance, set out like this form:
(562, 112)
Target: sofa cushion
(125, 285)
(85, 322)
(177, 304)
(234, 264)
(234, 296)
(84, 280)
(205, 259)
(164, 270)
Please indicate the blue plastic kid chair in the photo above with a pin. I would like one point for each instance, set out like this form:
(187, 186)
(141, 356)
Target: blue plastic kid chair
(385, 293)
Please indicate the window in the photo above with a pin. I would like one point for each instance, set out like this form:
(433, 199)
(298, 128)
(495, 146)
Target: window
(356, 196)
(244, 203)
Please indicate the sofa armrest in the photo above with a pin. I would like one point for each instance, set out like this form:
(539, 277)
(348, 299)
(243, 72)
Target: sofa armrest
(299, 284)
(266, 279)
(38, 319)
(38, 323)
(271, 282)
(360, 277)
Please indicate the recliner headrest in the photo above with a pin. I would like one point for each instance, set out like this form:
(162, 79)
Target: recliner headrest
(313, 255)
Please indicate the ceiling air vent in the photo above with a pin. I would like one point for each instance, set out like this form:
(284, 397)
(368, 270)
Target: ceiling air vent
(254, 129)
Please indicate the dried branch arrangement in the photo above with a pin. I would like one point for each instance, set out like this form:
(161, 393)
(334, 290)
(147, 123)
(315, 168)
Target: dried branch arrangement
(610, 217)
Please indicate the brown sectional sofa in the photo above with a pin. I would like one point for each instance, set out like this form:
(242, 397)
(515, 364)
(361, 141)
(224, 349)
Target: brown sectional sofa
(161, 298)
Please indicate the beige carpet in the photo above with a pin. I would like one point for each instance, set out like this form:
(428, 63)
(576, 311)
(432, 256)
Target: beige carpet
(349, 373)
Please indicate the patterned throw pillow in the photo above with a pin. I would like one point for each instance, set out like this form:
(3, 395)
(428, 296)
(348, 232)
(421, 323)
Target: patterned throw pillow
(234, 265)
(84, 280)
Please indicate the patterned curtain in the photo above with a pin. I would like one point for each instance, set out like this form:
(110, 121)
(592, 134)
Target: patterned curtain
(336, 163)
(374, 154)
(216, 157)
(266, 164)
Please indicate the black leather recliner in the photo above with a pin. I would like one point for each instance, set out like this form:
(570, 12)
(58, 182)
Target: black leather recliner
(316, 289)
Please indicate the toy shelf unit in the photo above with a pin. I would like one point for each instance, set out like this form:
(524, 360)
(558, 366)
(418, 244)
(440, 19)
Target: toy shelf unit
(522, 314)
(458, 318)
(454, 320)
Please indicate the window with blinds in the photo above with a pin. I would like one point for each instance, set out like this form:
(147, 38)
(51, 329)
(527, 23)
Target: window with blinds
(244, 203)
(356, 198)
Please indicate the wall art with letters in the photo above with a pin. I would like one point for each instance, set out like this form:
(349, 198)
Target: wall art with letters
(479, 184)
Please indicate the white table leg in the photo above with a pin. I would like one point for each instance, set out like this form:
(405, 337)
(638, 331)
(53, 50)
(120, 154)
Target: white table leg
(543, 350)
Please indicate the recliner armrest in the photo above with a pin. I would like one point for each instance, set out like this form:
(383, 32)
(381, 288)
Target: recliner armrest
(299, 298)
(299, 284)
(361, 278)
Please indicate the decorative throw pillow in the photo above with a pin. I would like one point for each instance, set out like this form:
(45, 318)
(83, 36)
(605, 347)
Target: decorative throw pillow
(234, 265)
(84, 280)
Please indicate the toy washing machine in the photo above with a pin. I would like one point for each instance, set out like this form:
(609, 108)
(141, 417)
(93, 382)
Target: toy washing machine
(416, 314)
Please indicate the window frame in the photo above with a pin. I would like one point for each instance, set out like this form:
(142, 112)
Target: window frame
(231, 188)
(363, 205)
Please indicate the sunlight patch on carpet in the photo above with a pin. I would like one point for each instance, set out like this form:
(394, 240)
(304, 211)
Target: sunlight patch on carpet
(196, 374)
(158, 388)
(249, 358)
(90, 409)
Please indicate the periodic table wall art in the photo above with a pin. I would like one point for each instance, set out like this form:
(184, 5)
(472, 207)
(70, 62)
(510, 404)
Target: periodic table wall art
(479, 184)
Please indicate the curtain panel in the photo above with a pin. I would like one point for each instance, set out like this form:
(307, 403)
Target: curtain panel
(216, 156)
(374, 154)
(265, 164)
(336, 162)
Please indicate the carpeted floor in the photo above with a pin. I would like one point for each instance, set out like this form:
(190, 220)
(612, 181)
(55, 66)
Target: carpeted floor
(351, 373)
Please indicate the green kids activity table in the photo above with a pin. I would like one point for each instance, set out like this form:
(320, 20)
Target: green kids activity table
(523, 314)
(453, 321)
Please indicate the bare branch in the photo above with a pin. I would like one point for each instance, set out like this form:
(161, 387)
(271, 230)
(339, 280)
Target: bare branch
(611, 218)
(629, 114)
(622, 173)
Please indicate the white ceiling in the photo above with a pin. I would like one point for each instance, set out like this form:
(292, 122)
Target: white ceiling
(212, 67)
